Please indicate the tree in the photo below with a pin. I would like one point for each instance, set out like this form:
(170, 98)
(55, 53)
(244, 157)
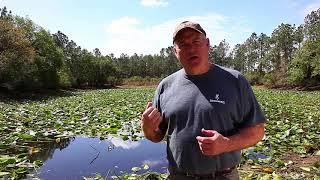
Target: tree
(61, 40)
(168, 62)
(4, 14)
(283, 43)
(97, 52)
(219, 54)
(298, 36)
(239, 57)
(263, 48)
(49, 59)
(252, 47)
(312, 25)
(16, 53)
(305, 67)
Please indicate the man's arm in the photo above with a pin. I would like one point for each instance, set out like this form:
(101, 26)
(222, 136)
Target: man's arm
(213, 143)
(150, 120)
(247, 137)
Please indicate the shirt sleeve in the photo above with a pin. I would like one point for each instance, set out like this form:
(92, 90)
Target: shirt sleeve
(251, 112)
(163, 126)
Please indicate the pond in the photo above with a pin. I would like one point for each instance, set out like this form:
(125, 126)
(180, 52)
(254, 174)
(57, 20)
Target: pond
(75, 158)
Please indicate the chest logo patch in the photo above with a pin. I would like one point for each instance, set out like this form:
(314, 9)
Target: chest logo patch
(217, 100)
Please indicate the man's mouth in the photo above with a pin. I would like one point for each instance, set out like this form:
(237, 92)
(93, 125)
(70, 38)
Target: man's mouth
(193, 58)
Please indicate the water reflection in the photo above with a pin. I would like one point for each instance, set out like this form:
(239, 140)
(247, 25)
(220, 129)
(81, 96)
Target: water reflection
(48, 148)
(78, 157)
(118, 142)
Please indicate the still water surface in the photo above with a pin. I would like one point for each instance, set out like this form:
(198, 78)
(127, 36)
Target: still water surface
(78, 157)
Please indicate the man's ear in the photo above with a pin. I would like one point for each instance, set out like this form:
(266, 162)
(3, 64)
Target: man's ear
(174, 50)
(208, 42)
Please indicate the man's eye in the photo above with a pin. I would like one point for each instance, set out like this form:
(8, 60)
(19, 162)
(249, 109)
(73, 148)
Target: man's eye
(196, 42)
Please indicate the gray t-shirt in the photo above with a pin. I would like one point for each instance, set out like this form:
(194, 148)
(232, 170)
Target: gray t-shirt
(220, 100)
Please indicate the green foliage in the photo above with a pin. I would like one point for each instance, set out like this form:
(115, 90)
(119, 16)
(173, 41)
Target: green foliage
(254, 78)
(269, 79)
(32, 58)
(48, 59)
(239, 57)
(219, 54)
(16, 54)
(283, 40)
(312, 25)
(64, 75)
(146, 65)
(305, 68)
(252, 53)
(114, 81)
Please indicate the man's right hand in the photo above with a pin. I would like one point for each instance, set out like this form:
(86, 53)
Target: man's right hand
(151, 118)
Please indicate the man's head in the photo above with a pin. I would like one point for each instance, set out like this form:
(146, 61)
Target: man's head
(191, 47)
(187, 24)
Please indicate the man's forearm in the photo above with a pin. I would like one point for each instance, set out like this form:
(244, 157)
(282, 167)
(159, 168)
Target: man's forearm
(247, 137)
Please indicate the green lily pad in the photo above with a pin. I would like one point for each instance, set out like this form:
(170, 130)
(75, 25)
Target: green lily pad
(5, 160)
(2, 174)
(21, 170)
(25, 136)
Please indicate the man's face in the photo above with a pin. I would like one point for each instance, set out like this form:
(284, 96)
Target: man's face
(191, 48)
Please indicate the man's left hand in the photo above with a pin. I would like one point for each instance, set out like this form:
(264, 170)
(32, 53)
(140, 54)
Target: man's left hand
(212, 143)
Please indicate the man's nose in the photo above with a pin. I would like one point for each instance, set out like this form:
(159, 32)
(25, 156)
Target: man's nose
(192, 47)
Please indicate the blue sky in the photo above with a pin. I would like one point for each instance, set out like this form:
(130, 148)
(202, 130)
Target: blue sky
(146, 26)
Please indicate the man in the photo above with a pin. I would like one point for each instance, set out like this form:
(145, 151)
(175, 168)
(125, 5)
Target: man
(208, 112)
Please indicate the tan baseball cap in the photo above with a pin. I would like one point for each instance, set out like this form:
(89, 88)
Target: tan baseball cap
(188, 24)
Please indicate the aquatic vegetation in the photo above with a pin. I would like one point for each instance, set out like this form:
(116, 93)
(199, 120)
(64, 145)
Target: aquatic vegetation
(292, 130)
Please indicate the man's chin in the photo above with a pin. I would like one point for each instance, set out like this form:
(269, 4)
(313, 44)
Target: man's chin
(194, 63)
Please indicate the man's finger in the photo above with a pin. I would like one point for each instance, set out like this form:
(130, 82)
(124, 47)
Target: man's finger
(158, 120)
(206, 146)
(153, 113)
(149, 104)
(147, 112)
(157, 117)
(205, 140)
(208, 133)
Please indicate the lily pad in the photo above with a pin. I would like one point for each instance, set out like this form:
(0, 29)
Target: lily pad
(2, 174)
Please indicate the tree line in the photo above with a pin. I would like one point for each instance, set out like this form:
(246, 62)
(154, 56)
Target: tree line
(32, 58)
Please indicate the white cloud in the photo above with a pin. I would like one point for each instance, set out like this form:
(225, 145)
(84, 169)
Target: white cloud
(122, 25)
(310, 8)
(129, 35)
(154, 3)
(118, 142)
(153, 163)
(303, 9)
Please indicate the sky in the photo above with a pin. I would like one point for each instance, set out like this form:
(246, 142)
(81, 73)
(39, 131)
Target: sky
(146, 26)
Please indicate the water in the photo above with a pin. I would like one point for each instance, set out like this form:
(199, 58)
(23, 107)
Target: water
(78, 157)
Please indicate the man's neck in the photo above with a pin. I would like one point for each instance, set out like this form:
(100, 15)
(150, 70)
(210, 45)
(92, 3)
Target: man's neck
(199, 71)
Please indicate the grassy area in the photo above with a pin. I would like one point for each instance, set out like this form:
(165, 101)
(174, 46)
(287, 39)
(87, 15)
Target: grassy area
(290, 149)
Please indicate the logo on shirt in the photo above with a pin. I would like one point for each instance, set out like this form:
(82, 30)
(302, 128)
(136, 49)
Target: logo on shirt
(217, 100)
